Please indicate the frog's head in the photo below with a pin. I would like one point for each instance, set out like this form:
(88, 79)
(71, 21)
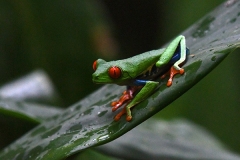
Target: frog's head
(109, 72)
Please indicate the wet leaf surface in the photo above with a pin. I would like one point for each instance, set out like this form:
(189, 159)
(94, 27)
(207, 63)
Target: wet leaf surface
(161, 139)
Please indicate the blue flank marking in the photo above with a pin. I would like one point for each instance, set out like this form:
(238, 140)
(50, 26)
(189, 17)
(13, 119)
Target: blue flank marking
(139, 82)
(174, 59)
(177, 55)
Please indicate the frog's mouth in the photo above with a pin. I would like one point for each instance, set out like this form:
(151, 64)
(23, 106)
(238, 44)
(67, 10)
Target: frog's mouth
(102, 81)
(99, 79)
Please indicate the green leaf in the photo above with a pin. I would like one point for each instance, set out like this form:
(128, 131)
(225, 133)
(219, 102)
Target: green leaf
(90, 154)
(28, 111)
(35, 86)
(160, 139)
(90, 122)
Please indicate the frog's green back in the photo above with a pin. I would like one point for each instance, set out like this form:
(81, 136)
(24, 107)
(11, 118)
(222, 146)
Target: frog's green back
(138, 64)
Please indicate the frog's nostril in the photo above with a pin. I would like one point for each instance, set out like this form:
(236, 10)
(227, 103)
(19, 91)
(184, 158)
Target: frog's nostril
(95, 77)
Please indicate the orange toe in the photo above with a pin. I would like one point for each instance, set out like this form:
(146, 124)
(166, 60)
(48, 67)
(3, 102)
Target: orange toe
(173, 72)
(129, 118)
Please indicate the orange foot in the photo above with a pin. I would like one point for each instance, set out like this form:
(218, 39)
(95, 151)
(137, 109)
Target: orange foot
(173, 72)
(125, 98)
(120, 114)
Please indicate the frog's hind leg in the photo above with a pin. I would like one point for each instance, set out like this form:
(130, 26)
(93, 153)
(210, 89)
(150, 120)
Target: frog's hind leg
(183, 53)
(175, 69)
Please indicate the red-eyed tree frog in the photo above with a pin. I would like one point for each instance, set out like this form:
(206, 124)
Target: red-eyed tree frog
(139, 72)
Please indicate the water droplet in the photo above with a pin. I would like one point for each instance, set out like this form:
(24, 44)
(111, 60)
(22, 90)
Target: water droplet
(229, 3)
(102, 113)
(214, 58)
(103, 137)
(233, 20)
(192, 55)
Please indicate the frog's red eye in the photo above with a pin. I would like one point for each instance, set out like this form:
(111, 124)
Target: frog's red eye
(114, 72)
(94, 65)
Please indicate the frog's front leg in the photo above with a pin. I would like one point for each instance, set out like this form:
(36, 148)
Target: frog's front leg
(126, 96)
(145, 92)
